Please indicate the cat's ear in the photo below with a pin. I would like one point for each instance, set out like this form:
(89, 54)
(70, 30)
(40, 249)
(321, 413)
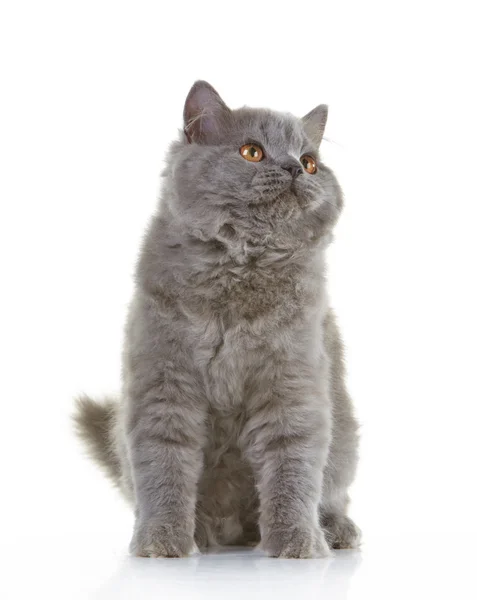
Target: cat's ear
(205, 113)
(314, 123)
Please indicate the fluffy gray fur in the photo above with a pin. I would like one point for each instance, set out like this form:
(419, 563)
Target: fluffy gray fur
(234, 424)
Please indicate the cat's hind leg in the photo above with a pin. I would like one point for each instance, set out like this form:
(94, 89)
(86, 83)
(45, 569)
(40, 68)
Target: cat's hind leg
(340, 531)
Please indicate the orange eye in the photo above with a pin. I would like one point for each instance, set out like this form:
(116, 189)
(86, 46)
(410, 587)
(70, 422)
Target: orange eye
(308, 163)
(251, 152)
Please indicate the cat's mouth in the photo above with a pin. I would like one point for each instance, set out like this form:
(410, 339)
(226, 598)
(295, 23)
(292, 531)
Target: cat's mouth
(268, 195)
(293, 188)
(270, 189)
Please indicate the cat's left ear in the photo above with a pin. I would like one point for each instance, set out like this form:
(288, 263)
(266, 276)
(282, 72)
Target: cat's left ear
(314, 123)
(205, 113)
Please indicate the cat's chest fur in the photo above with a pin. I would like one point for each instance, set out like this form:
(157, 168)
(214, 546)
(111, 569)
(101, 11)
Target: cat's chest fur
(241, 316)
(265, 288)
(250, 293)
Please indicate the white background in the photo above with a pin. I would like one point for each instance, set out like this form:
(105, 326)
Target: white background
(91, 94)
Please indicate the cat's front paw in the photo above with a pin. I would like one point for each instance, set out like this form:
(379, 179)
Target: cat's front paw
(341, 532)
(156, 540)
(295, 542)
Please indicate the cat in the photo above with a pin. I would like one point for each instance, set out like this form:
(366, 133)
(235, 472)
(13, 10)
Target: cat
(234, 424)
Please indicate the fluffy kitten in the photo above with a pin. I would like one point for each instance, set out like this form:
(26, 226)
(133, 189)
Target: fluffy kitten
(234, 424)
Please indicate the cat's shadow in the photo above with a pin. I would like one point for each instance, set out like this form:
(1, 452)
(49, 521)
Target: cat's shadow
(232, 573)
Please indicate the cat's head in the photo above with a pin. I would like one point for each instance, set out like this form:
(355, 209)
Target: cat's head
(250, 175)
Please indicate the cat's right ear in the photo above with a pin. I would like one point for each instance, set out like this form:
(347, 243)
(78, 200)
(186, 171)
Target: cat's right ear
(205, 113)
(314, 123)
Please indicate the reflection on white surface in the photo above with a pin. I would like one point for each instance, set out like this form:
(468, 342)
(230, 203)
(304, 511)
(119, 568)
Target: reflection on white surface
(233, 573)
(75, 566)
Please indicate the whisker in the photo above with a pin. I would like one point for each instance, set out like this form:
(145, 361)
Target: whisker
(331, 141)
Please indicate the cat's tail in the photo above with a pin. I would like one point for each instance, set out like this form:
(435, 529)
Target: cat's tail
(95, 425)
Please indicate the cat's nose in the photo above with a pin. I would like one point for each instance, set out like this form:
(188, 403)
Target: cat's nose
(294, 169)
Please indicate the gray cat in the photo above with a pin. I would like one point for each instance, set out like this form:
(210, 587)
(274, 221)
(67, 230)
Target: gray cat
(234, 425)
